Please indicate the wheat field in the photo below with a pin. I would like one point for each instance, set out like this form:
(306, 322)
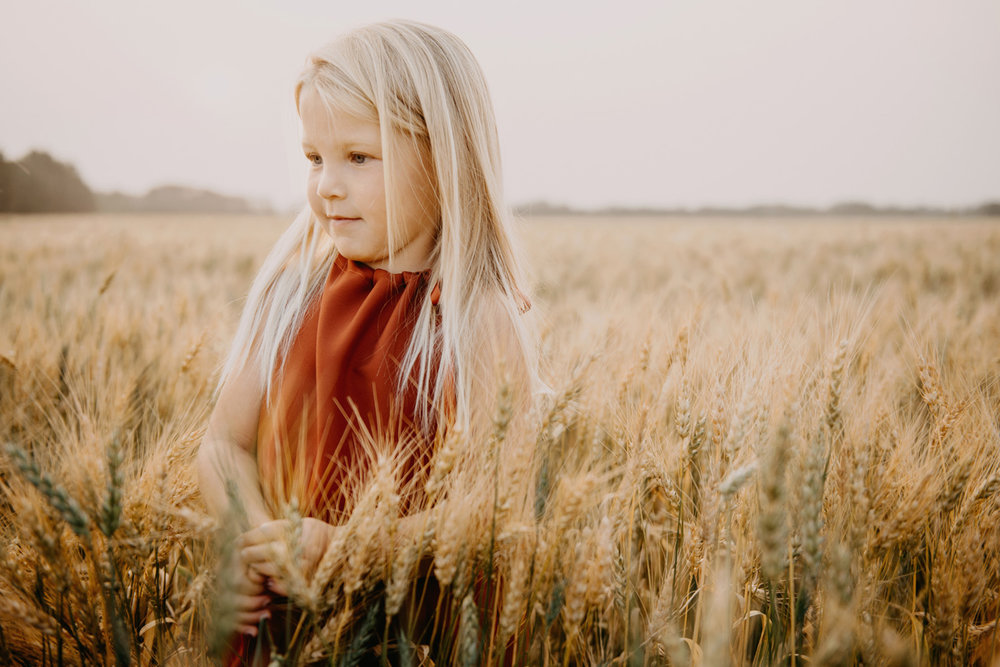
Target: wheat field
(768, 442)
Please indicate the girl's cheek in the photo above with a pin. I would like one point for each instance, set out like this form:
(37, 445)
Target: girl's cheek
(311, 193)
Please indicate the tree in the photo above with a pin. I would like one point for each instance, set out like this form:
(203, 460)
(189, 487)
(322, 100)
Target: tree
(39, 183)
(991, 208)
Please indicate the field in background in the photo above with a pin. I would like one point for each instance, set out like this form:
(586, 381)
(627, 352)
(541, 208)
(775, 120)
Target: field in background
(768, 442)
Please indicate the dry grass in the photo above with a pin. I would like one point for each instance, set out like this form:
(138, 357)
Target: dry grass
(767, 443)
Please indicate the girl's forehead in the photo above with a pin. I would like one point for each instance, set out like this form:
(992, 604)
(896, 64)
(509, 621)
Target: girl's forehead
(336, 99)
(321, 119)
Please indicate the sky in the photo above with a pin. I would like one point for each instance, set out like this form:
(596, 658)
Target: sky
(626, 103)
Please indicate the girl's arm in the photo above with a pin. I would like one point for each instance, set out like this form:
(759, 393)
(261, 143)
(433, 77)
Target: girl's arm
(228, 452)
(228, 456)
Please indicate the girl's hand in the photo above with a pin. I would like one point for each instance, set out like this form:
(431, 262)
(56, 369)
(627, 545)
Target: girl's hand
(266, 547)
(251, 596)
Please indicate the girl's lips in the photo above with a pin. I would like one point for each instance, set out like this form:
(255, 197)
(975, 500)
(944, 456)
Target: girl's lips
(340, 221)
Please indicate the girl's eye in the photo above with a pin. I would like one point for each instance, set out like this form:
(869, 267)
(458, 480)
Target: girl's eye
(314, 159)
(358, 158)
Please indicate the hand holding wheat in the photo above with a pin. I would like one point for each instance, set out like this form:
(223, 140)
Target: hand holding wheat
(276, 548)
(250, 595)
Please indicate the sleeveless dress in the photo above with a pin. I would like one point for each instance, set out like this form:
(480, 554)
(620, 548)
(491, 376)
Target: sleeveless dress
(336, 402)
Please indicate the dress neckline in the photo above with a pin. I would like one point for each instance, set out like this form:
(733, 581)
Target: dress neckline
(380, 275)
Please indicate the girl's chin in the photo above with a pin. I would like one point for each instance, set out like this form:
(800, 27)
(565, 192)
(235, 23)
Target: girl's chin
(347, 244)
(348, 251)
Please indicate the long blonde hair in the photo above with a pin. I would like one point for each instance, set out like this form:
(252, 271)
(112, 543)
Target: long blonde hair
(422, 84)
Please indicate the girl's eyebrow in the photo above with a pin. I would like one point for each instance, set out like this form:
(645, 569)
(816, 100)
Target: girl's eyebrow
(349, 144)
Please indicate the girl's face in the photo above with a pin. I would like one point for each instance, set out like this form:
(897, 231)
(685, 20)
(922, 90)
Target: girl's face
(346, 188)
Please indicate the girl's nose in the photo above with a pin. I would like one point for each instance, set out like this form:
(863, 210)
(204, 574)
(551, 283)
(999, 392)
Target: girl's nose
(330, 186)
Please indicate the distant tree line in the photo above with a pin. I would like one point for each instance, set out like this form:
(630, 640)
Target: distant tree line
(38, 183)
(177, 199)
(763, 210)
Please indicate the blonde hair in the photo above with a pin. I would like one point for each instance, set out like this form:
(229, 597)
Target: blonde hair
(422, 84)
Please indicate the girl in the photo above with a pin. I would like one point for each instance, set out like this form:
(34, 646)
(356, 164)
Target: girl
(384, 311)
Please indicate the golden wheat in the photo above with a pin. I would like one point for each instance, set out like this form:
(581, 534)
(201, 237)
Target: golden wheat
(767, 442)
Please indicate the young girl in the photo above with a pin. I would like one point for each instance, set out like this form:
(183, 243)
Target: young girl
(384, 311)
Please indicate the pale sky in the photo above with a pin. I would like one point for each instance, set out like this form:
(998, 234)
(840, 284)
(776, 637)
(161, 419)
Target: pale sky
(671, 103)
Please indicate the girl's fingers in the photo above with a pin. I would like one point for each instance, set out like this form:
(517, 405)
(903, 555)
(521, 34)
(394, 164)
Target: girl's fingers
(249, 582)
(255, 576)
(267, 570)
(277, 586)
(251, 618)
(265, 552)
(266, 532)
(251, 603)
(247, 585)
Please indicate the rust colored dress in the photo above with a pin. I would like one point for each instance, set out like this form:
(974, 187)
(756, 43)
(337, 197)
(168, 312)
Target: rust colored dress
(336, 402)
